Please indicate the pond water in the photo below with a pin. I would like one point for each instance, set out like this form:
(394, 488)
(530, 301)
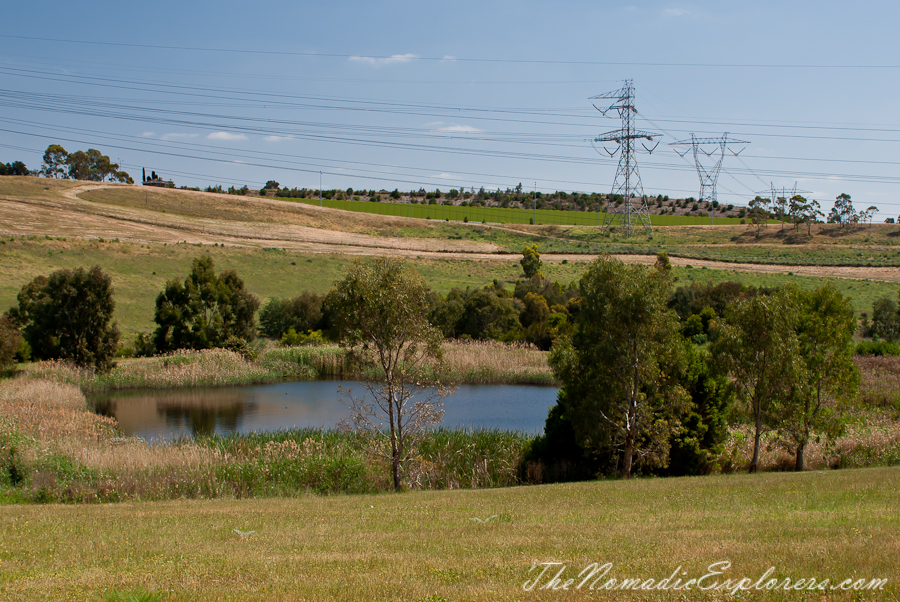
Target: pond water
(167, 414)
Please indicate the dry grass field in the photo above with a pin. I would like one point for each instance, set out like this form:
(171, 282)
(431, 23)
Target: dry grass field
(429, 547)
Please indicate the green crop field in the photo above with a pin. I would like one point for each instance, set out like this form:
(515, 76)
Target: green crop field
(499, 215)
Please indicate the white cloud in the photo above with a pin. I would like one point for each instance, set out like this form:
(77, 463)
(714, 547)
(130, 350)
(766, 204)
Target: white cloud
(226, 136)
(384, 60)
(459, 129)
(449, 57)
(148, 134)
(277, 138)
(176, 136)
(676, 12)
(446, 176)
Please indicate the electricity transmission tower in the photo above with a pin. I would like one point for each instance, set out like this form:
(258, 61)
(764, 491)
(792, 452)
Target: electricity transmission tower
(781, 201)
(634, 210)
(709, 175)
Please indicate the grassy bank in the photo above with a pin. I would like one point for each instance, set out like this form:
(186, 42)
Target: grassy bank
(429, 547)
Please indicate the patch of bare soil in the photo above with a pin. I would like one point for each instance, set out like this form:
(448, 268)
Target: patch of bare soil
(74, 217)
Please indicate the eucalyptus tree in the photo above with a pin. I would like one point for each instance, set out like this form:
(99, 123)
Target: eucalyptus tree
(827, 376)
(619, 370)
(68, 315)
(380, 312)
(757, 345)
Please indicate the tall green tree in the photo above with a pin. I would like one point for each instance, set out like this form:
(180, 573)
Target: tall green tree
(94, 166)
(55, 158)
(68, 316)
(531, 261)
(828, 377)
(759, 212)
(619, 370)
(842, 212)
(380, 313)
(757, 345)
(204, 311)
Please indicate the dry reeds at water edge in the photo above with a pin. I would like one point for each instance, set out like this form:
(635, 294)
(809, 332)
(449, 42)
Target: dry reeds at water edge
(483, 362)
(474, 362)
(207, 368)
(53, 449)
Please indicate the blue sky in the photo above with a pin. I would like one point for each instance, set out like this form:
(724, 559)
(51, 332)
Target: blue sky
(416, 95)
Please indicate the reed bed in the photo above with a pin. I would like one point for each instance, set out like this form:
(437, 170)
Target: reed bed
(489, 362)
(870, 442)
(879, 385)
(465, 362)
(185, 368)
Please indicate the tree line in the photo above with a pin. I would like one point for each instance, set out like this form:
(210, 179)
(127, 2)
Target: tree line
(79, 165)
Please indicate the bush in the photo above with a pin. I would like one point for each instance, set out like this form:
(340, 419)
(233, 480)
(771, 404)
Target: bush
(10, 342)
(885, 323)
(68, 315)
(877, 348)
(239, 345)
(205, 311)
(302, 313)
(294, 339)
(143, 345)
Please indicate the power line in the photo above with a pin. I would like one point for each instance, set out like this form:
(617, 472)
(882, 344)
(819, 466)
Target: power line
(411, 57)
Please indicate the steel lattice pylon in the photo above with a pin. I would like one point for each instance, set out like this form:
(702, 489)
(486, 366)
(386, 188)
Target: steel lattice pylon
(634, 209)
(709, 175)
(782, 201)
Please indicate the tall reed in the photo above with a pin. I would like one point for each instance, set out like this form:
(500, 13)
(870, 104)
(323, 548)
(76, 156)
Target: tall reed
(475, 362)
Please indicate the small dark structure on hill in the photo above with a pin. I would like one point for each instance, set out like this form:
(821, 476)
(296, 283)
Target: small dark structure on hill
(153, 180)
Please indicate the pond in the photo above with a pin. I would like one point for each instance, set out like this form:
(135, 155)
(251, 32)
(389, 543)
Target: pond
(168, 414)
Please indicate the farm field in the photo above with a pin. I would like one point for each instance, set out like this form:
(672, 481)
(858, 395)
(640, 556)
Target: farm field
(428, 546)
(145, 237)
(500, 215)
(34, 206)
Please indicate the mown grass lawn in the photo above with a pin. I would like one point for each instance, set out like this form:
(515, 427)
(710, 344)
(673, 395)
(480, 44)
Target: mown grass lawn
(833, 525)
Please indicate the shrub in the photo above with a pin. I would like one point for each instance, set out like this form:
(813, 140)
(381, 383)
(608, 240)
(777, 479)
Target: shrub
(10, 342)
(294, 339)
(302, 313)
(877, 348)
(67, 316)
(205, 311)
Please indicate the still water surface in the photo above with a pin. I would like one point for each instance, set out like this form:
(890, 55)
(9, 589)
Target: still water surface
(154, 414)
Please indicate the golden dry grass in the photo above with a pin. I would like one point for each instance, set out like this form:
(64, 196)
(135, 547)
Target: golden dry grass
(493, 362)
(50, 419)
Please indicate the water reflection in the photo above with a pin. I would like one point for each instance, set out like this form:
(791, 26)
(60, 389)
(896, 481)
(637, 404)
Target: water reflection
(184, 413)
(193, 412)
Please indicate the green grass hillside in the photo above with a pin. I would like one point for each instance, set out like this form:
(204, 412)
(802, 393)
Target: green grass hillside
(139, 272)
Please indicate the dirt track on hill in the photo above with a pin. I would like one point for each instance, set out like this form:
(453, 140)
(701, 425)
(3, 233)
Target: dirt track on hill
(74, 217)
